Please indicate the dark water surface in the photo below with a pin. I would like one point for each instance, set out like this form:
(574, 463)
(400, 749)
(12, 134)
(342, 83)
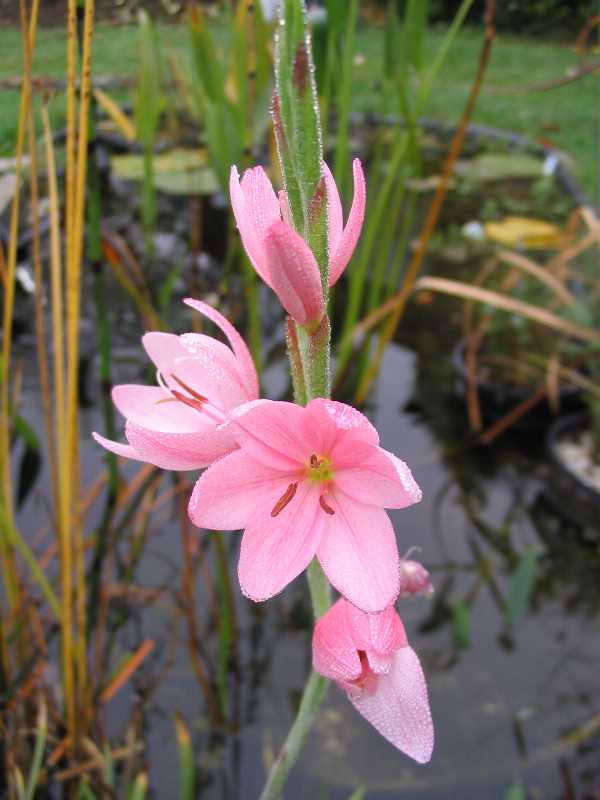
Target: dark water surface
(504, 704)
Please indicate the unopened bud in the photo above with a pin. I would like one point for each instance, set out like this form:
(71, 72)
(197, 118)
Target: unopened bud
(414, 579)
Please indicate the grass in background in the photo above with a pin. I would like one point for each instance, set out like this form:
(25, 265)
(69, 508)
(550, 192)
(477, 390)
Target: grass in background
(565, 116)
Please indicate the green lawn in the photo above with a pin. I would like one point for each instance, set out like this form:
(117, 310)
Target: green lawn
(565, 116)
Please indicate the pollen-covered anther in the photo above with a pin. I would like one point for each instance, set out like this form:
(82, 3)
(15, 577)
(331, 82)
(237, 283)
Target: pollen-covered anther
(192, 392)
(285, 498)
(325, 506)
(319, 469)
(188, 401)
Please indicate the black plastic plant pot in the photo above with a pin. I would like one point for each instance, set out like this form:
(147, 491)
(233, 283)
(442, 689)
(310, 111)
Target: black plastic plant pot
(497, 399)
(572, 495)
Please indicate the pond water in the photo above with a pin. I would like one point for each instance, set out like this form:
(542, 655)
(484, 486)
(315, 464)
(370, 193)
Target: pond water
(516, 703)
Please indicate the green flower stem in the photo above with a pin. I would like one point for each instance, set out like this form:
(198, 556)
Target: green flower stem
(299, 143)
(313, 695)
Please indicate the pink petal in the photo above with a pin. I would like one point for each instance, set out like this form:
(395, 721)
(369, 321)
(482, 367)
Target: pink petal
(272, 432)
(334, 653)
(336, 424)
(119, 449)
(228, 494)
(179, 451)
(262, 204)
(275, 550)
(246, 367)
(334, 211)
(359, 553)
(382, 633)
(341, 255)
(208, 373)
(205, 365)
(380, 480)
(399, 708)
(255, 207)
(379, 664)
(155, 409)
(294, 273)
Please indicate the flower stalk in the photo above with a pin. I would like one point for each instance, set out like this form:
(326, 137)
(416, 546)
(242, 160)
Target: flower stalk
(299, 143)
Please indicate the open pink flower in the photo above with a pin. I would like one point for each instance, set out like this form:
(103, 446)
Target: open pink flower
(181, 424)
(369, 657)
(279, 254)
(305, 481)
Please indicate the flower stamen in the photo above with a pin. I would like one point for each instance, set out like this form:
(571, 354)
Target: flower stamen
(193, 393)
(324, 505)
(285, 498)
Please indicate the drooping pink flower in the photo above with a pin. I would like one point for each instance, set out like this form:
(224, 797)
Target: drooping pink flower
(309, 481)
(182, 423)
(369, 657)
(279, 254)
(414, 579)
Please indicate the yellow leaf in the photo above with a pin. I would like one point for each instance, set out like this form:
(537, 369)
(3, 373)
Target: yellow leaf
(526, 232)
(121, 120)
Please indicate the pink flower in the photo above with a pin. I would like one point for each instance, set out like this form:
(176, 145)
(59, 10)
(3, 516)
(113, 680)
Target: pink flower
(279, 254)
(309, 481)
(369, 657)
(182, 423)
(414, 579)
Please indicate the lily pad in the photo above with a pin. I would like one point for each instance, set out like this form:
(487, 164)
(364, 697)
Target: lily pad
(178, 172)
(526, 232)
(489, 167)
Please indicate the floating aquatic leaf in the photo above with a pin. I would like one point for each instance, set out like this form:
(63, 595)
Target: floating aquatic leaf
(527, 232)
(500, 166)
(178, 172)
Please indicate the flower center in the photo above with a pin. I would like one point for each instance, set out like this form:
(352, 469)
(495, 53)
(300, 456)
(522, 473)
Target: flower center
(319, 469)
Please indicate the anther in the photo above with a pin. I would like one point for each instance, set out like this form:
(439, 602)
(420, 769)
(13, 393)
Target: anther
(285, 498)
(326, 508)
(188, 401)
(314, 461)
(200, 398)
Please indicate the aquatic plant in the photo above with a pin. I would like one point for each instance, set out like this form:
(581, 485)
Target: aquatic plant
(308, 480)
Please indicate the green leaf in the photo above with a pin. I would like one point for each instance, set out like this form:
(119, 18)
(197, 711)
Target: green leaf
(460, 624)
(24, 430)
(209, 71)
(415, 26)
(187, 769)
(139, 788)
(516, 792)
(392, 38)
(521, 584)
(149, 98)
(165, 293)
(358, 794)
(41, 732)
(31, 459)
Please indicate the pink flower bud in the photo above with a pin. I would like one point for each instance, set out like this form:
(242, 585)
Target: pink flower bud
(414, 579)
